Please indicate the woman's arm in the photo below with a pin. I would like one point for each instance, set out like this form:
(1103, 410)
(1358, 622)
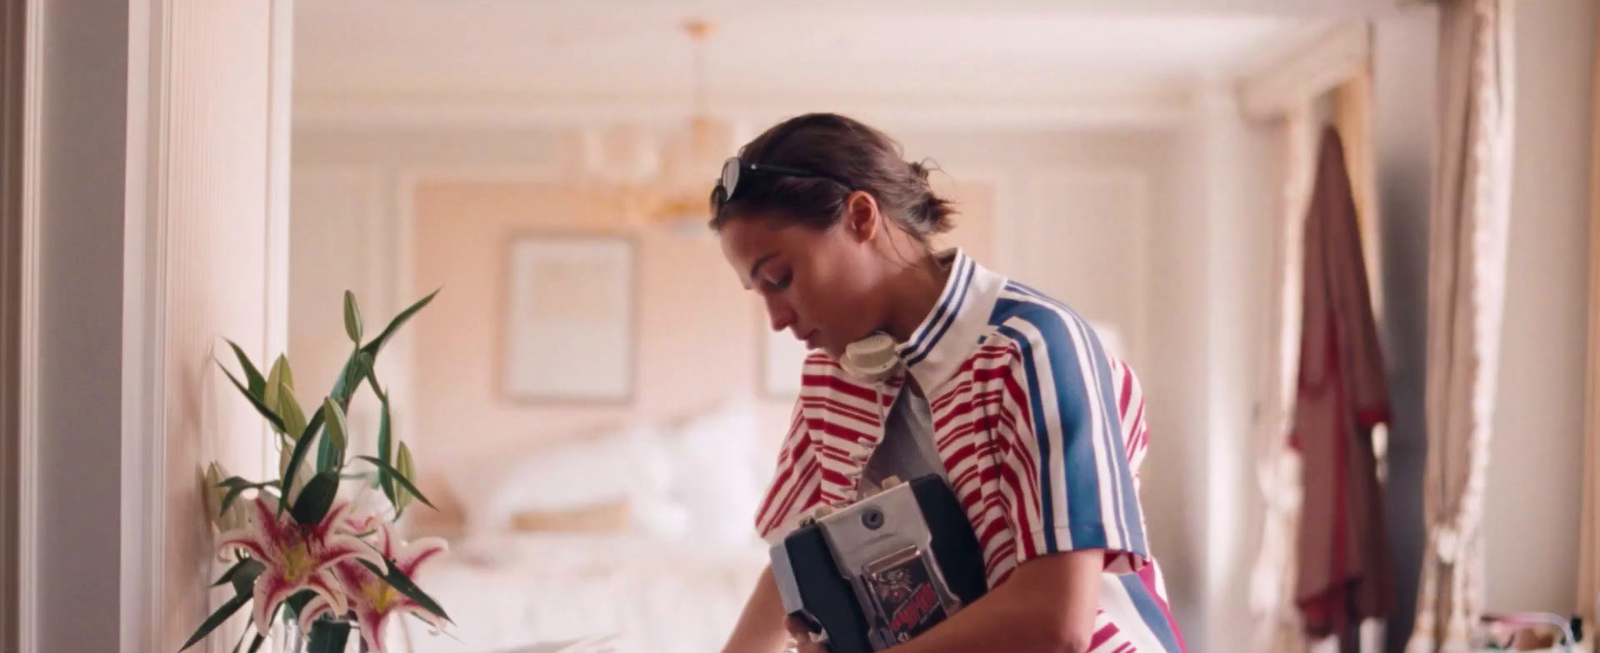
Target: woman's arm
(761, 625)
(1047, 605)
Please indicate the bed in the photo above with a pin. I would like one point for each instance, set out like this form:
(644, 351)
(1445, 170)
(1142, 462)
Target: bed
(643, 534)
(512, 591)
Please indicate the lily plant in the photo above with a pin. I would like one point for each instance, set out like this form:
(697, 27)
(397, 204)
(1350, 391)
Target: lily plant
(298, 546)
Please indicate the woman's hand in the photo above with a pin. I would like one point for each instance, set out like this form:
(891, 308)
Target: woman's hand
(802, 635)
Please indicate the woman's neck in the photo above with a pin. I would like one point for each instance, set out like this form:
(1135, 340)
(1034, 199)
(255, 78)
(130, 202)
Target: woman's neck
(914, 290)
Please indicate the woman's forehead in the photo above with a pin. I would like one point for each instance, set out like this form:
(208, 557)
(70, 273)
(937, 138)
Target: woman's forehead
(749, 238)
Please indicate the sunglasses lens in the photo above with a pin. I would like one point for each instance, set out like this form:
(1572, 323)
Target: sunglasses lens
(717, 197)
(730, 176)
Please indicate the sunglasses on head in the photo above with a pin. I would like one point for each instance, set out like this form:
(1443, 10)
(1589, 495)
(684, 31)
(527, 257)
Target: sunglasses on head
(734, 170)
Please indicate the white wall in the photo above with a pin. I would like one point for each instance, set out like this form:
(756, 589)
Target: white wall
(1404, 56)
(1208, 300)
(155, 242)
(222, 233)
(1535, 469)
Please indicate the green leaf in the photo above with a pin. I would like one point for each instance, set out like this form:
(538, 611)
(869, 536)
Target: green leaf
(288, 373)
(217, 618)
(352, 317)
(316, 499)
(372, 376)
(294, 421)
(261, 407)
(245, 575)
(399, 478)
(348, 383)
(298, 602)
(350, 377)
(275, 385)
(258, 385)
(247, 568)
(408, 470)
(403, 584)
(298, 455)
(337, 435)
(328, 636)
(312, 426)
(233, 481)
(236, 489)
(394, 325)
(385, 446)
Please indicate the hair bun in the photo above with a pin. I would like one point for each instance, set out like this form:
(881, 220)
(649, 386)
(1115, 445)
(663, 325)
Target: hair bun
(919, 170)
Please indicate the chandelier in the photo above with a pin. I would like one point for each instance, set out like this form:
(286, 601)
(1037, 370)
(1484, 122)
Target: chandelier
(649, 178)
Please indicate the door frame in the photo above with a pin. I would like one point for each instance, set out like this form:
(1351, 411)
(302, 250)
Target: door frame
(20, 33)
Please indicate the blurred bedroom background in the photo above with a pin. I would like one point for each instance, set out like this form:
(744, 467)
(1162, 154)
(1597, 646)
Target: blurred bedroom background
(595, 402)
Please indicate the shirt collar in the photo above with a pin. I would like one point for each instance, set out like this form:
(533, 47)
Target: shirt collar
(947, 335)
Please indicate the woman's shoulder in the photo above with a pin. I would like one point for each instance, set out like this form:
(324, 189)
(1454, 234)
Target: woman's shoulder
(1029, 318)
(1030, 324)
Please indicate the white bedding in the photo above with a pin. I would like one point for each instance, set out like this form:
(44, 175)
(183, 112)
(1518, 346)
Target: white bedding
(505, 592)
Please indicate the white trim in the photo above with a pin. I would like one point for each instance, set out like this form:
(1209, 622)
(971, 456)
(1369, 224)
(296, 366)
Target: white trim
(280, 71)
(1342, 52)
(28, 374)
(144, 332)
(378, 112)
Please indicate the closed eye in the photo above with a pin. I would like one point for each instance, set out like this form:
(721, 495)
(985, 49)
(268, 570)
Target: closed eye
(782, 283)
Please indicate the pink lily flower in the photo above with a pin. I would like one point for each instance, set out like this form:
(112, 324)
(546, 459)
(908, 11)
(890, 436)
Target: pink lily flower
(371, 597)
(296, 557)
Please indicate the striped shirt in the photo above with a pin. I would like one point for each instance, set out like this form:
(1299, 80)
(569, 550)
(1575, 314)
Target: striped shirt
(1040, 431)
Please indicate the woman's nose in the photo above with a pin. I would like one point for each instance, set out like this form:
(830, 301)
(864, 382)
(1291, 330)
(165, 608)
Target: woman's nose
(779, 314)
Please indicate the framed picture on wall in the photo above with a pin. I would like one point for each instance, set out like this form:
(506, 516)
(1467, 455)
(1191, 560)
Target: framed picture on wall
(569, 329)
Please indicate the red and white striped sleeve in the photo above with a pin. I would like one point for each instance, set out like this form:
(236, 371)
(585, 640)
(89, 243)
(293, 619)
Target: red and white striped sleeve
(796, 486)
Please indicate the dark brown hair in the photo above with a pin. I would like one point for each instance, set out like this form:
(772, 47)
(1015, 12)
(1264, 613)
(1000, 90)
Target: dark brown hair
(844, 149)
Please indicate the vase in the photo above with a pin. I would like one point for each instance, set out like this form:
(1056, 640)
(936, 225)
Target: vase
(326, 636)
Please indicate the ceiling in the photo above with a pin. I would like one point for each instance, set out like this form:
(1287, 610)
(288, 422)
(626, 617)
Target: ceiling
(601, 57)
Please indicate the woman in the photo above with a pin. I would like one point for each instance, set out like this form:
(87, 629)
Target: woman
(1002, 391)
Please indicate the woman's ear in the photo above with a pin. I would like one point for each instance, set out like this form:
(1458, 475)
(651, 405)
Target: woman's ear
(861, 215)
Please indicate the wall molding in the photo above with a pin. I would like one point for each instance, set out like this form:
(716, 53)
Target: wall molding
(1341, 52)
(145, 302)
(1156, 108)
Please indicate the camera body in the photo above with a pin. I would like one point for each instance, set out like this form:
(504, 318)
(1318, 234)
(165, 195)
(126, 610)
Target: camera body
(882, 570)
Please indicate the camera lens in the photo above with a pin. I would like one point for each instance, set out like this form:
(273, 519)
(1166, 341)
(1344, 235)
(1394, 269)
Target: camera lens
(872, 519)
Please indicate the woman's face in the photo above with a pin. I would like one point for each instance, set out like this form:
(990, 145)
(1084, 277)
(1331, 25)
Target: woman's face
(819, 285)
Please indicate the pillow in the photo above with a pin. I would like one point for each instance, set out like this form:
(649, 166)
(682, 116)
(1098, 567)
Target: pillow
(631, 465)
(603, 518)
(720, 477)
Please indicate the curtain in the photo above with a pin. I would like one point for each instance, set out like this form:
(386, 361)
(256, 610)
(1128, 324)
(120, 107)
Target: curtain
(1589, 551)
(1470, 214)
